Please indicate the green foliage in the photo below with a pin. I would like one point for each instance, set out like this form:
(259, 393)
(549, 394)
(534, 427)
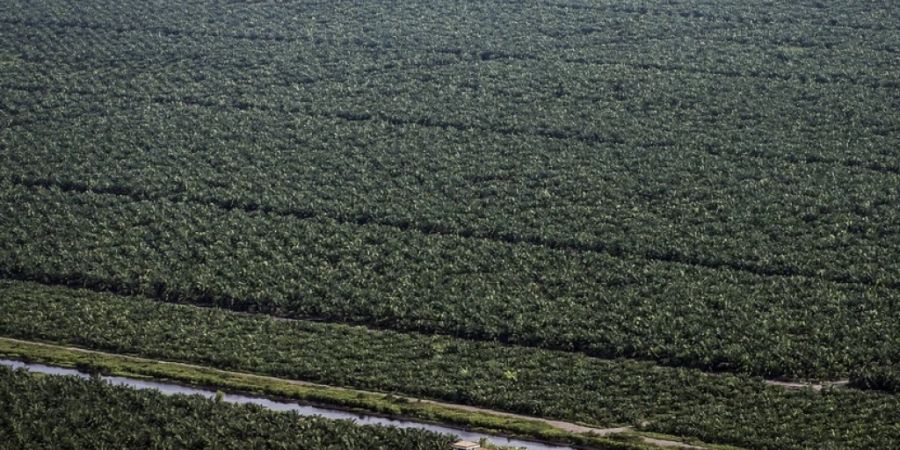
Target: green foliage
(726, 203)
(884, 376)
(699, 184)
(588, 302)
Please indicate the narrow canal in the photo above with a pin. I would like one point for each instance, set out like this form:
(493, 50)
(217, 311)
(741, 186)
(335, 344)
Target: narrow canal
(277, 405)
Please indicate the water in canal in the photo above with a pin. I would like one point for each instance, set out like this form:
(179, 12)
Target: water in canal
(276, 405)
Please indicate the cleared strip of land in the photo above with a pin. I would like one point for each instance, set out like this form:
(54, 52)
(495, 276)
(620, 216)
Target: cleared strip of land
(41, 411)
(364, 401)
(592, 392)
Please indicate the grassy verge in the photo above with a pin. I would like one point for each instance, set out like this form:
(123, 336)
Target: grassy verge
(45, 411)
(370, 403)
(535, 383)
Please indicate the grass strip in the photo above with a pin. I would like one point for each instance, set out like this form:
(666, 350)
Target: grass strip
(364, 402)
(533, 382)
(42, 411)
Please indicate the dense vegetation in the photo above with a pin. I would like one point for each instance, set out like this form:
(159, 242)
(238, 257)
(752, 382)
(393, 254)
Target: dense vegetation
(590, 302)
(701, 208)
(561, 385)
(696, 184)
(69, 413)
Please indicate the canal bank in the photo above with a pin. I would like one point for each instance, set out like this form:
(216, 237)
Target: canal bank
(357, 402)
